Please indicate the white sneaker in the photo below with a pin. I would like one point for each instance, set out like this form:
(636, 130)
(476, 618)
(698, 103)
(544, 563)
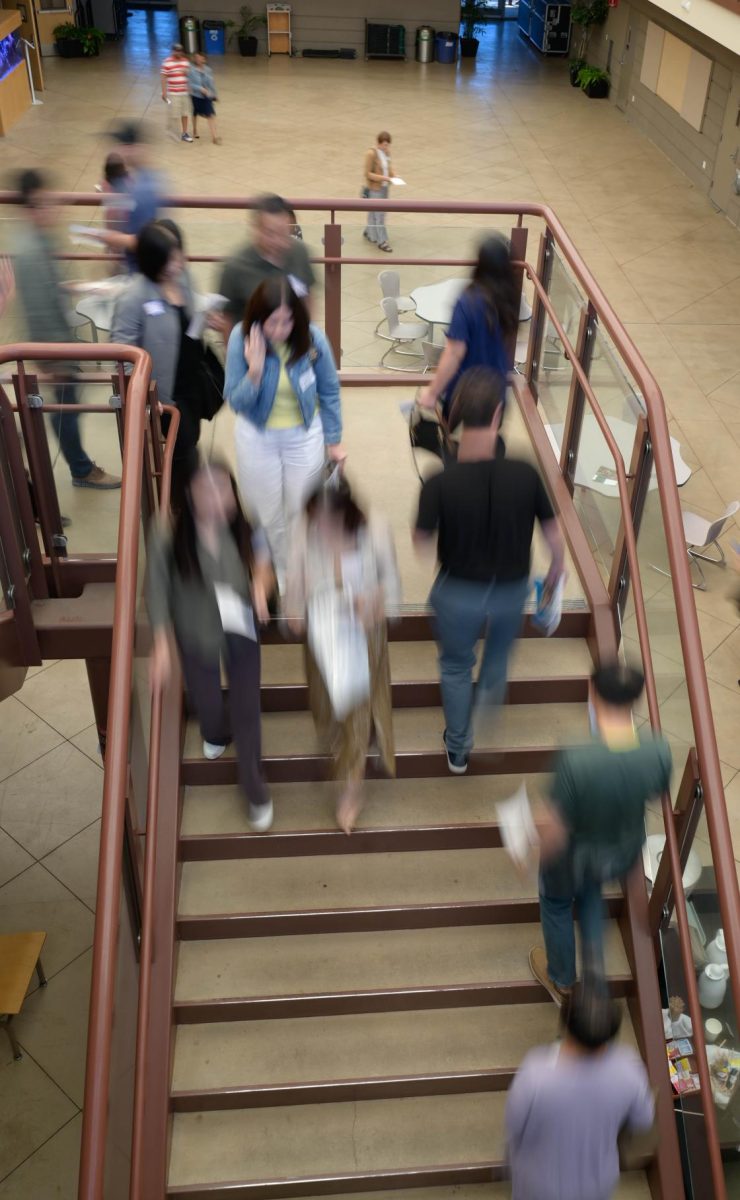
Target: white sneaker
(186, 137)
(261, 817)
(212, 750)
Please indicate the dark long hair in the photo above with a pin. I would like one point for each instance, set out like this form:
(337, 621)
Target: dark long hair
(268, 296)
(493, 277)
(185, 534)
(336, 498)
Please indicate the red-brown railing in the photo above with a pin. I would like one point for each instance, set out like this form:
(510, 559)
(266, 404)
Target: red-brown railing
(706, 748)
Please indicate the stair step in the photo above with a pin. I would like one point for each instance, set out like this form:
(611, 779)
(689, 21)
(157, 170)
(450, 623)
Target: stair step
(422, 693)
(631, 1186)
(389, 803)
(412, 623)
(337, 1139)
(222, 1055)
(329, 963)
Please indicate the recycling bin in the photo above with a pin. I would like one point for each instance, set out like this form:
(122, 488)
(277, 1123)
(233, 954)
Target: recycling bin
(425, 44)
(446, 47)
(189, 35)
(214, 37)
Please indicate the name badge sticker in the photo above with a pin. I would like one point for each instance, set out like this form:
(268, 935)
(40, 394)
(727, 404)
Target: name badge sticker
(154, 308)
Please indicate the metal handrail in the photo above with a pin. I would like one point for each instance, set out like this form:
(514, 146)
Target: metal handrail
(150, 855)
(102, 992)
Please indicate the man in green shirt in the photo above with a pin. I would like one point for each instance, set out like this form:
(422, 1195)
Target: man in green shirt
(273, 251)
(594, 827)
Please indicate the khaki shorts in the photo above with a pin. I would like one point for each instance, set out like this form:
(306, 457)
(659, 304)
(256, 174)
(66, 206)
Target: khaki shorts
(180, 104)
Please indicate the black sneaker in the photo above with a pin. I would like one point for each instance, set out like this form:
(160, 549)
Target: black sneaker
(457, 763)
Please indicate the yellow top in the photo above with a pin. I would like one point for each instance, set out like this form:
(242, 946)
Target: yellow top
(286, 413)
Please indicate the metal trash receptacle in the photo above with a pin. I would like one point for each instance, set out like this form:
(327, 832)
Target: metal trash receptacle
(425, 44)
(214, 37)
(189, 35)
(446, 47)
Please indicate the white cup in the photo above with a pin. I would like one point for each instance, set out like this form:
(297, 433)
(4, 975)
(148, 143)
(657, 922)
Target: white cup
(712, 1030)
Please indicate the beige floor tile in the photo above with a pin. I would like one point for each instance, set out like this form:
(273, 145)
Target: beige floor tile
(88, 743)
(13, 858)
(67, 794)
(51, 1172)
(32, 1109)
(726, 711)
(36, 900)
(53, 1026)
(75, 864)
(60, 695)
(25, 737)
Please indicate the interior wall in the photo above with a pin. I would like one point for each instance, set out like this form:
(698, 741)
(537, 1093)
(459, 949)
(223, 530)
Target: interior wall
(335, 24)
(693, 151)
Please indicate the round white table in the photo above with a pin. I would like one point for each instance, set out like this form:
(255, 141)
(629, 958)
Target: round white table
(595, 465)
(435, 302)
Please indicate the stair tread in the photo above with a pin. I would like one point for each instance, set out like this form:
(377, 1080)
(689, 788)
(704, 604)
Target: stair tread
(362, 1045)
(336, 1138)
(388, 803)
(531, 658)
(631, 1186)
(325, 962)
(421, 729)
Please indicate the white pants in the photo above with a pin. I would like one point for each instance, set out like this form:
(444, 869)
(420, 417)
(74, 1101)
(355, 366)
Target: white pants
(277, 470)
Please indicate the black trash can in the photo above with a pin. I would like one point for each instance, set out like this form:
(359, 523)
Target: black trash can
(190, 35)
(214, 37)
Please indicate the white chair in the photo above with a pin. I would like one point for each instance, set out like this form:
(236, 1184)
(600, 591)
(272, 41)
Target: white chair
(390, 286)
(401, 333)
(700, 534)
(432, 354)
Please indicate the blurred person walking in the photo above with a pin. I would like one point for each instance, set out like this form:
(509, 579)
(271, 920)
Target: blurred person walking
(141, 190)
(174, 74)
(594, 825)
(337, 548)
(154, 313)
(484, 319)
(283, 385)
(481, 510)
(40, 290)
(273, 253)
(378, 173)
(202, 87)
(570, 1102)
(208, 579)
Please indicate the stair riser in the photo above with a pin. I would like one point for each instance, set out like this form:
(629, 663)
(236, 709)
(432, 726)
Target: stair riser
(417, 627)
(218, 847)
(351, 1090)
(260, 1008)
(337, 1185)
(313, 768)
(253, 925)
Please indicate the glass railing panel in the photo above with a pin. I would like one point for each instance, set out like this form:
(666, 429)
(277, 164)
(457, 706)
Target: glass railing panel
(553, 372)
(123, 1048)
(140, 727)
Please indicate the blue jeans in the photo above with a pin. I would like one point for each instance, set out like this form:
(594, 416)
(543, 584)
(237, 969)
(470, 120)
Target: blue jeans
(465, 611)
(66, 425)
(557, 896)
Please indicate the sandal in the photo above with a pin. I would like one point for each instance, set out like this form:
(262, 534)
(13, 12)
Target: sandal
(386, 246)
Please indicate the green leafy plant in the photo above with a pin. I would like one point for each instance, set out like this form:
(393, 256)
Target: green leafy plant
(585, 14)
(471, 12)
(574, 69)
(90, 38)
(588, 75)
(250, 23)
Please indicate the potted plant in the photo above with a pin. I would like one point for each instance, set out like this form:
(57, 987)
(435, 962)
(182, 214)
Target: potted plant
(78, 41)
(471, 12)
(594, 82)
(574, 70)
(246, 31)
(585, 14)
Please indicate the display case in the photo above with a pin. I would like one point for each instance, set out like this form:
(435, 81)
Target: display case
(15, 91)
(546, 25)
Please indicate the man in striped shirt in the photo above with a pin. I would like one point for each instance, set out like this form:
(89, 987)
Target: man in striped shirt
(175, 90)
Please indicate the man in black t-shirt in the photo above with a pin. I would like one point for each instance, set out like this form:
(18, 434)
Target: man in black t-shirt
(482, 511)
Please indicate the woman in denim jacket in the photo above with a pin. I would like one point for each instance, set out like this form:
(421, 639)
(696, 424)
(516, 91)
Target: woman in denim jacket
(283, 385)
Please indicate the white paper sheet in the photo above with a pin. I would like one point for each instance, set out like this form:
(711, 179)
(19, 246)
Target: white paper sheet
(398, 181)
(211, 302)
(518, 832)
(236, 616)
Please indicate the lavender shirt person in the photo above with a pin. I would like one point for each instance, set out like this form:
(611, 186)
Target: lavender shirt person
(566, 1108)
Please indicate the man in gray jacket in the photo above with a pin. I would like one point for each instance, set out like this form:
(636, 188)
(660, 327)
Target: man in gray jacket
(39, 284)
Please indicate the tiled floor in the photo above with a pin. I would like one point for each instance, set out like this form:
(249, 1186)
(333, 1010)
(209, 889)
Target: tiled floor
(508, 128)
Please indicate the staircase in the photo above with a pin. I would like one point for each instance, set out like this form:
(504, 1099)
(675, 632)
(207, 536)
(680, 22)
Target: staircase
(349, 1011)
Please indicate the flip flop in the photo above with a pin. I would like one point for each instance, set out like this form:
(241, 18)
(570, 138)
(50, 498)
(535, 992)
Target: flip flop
(386, 247)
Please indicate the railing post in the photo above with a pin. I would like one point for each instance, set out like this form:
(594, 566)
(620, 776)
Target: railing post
(518, 254)
(19, 482)
(31, 414)
(17, 596)
(638, 483)
(576, 400)
(539, 315)
(333, 289)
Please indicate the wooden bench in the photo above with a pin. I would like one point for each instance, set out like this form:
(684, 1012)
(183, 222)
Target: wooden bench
(19, 958)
